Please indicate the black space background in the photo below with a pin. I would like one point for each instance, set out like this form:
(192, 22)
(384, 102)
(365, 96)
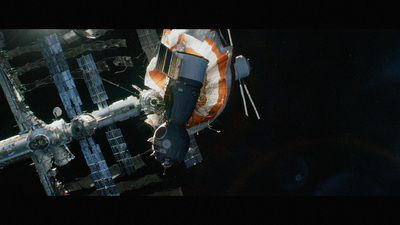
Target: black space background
(327, 97)
(329, 106)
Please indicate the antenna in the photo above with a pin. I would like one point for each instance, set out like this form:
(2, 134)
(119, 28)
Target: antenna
(243, 98)
(230, 38)
(242, 70)
(165, 169)
(166, 164)
(209, 127)
(57, 112)
(251, 100)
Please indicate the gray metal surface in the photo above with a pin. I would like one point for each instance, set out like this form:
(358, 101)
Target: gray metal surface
(23, 116)
(17, 149)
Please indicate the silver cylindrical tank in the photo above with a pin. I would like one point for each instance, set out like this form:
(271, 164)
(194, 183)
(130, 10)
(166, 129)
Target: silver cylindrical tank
(14, 149)
(118, 111)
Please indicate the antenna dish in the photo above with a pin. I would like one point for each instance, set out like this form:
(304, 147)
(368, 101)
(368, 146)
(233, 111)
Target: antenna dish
(57, 112)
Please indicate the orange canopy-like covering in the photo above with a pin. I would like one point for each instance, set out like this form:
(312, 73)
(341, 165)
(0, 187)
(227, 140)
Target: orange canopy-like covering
(219, 77)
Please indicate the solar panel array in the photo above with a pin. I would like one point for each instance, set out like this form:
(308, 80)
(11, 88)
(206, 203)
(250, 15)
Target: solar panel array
(103, 181)
(193, 155)
(149, 41)
(92, 80)
(59, 70)
(168, 62)
(99, 97)
(120, 149)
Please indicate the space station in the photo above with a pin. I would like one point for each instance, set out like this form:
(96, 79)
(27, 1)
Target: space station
(199, 112)
(188, 81)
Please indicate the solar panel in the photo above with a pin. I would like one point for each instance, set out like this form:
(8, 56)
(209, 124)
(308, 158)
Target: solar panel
(149, 41)
(193, 156)
(93, 80)
(59, 70)
(99, 97)
(119, 149)
(168, 62)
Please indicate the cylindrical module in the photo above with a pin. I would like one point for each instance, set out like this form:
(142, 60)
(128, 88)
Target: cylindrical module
(182, 94)
(118, 111)
(171, 140)
(14, 149)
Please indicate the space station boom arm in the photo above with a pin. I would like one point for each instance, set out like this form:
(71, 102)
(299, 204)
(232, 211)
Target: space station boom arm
(118, 111)
(16, 148)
